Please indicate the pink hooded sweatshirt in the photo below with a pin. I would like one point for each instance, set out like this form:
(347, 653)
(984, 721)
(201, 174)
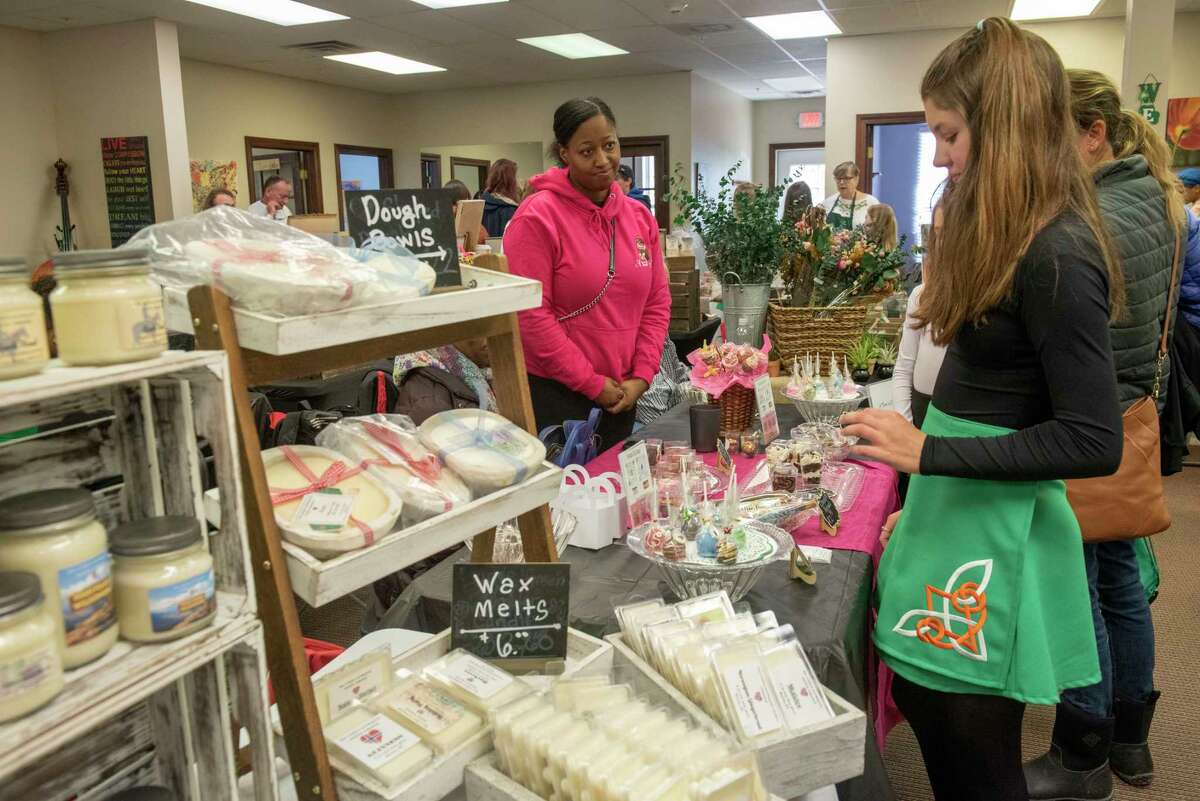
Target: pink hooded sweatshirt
(561, 238)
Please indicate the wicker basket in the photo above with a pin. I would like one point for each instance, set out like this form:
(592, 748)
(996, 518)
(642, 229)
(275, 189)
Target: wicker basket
(737, 408)
(798, 330)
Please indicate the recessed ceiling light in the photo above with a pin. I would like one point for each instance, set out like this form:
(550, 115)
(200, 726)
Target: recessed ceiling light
(1052, 9)
(456, 3)
(386, 62)
(798, 83)
(280, 12)
(575, 45)
(800, 25)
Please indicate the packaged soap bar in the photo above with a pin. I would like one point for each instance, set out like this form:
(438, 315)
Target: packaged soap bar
(564, 690)
(325, 504)
(801, 697)
(746, 689)
(638, 620)
(713, 607)
(527, 711)
(389, 443)
(474, 682)
(440, 720)
(383, 748)
(657, 634)
(344, 688)
(486, 450)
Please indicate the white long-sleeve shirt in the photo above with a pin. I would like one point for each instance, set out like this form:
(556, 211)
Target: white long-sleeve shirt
(919, 360)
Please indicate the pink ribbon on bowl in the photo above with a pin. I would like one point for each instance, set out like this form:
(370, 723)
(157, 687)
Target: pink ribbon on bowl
(334, 474)
(427, 467)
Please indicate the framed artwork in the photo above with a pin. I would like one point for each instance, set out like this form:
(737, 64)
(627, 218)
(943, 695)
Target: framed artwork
(209, 175)
(1183, 131)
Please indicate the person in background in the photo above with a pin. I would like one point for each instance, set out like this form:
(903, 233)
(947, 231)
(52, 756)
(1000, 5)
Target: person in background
(848, 208)
(666, 390)
(983, 602)
(460, 192)
(1107, 723)
(597, 338)
(219, 197)
(500, 193)
(880, 226)
(631, 189)
(920, 358)
(273, 204)
(796, 201)
(1189, 186)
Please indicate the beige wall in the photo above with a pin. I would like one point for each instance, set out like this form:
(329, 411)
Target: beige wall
(775, 122)
(528, 155)
(722, 129)
(28, 147)
(1185, 75)
(227, 104)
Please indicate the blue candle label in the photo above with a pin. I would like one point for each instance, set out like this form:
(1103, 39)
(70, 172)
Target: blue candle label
(179, 605)
(85, 591)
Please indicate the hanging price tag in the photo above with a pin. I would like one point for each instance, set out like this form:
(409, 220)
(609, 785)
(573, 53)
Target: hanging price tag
(638, 482)
(766, 408)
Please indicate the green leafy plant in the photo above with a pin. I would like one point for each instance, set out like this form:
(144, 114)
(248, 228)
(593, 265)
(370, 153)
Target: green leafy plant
(860, 353)
(885, 353)
(741, 231)
(855, 265)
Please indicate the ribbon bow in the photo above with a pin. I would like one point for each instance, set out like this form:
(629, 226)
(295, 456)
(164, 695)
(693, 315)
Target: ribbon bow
(333, 475)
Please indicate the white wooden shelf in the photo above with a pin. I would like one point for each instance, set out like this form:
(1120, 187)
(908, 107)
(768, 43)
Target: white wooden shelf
(127, 674)
(492, 293)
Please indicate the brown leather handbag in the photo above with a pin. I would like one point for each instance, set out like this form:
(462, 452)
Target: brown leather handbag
(1130, 503)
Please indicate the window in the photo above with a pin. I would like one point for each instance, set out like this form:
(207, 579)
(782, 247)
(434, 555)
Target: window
(799, 162)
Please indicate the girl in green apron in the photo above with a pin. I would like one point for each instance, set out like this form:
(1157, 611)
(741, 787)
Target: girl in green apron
(848, 208)
(983, 598)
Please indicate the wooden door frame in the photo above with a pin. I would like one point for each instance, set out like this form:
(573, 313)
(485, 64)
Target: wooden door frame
(483, 165)
(435, 158)
(864, 126)
(663, 180)
(775, 147)
(313, 190)
(387, 170)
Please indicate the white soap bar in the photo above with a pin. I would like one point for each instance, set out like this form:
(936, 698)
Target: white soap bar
(564, 690)
(529, 711)
(474, 682)
(369, 675)
(713, 607)
(386, 750)
(439, 719)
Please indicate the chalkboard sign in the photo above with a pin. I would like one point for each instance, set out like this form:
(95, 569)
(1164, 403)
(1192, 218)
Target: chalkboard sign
(127, 186)
(513, 612)
(420, 219)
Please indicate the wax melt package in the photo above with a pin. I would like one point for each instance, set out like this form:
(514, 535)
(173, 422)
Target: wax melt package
(377, 745)
(440, 720)
(487, 451)
(326, 504)
(389, 444)
(472, 681)
(268, 267)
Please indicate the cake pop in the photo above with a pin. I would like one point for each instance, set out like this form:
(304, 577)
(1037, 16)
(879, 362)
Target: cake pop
(706, 541)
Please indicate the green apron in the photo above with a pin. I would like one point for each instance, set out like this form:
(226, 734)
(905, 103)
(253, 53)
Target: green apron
(840, 222)
(982, 587)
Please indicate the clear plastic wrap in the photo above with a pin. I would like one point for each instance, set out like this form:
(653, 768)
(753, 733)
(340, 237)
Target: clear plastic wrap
(389, 443)
(486, 450)
(266, 266)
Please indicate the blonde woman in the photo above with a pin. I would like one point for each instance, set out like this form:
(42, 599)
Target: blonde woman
(920, 358)
(880, 226)
(983, 597)
(848, 208)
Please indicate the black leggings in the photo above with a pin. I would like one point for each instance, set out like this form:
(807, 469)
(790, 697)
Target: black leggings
(553, 403)
(971, 743)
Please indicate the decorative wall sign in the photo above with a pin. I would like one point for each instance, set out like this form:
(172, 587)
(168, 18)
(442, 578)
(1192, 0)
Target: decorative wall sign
(1147, 97)
(127, 187)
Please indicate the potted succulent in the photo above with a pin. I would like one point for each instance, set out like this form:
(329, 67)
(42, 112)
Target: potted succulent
(885, 359)
(859, 357)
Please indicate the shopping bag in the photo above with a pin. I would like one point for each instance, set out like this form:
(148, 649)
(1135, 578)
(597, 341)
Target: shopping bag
(596, 503)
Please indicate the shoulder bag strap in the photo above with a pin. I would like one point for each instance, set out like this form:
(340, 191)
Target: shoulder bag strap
(612, 271)
(1166, 329)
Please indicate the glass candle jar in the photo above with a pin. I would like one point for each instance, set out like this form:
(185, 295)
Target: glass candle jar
(23, 349)
(30, 657)
(163, 578)
(106, 309)
(55, 535)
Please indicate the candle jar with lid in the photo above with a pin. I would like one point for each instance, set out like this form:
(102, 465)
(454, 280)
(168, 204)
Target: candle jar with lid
(30, 656)
(163, 578)
(23, 349)
(55, 535)
(106, 309)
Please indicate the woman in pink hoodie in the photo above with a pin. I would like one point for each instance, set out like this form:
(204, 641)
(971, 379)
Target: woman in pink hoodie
(598, 336)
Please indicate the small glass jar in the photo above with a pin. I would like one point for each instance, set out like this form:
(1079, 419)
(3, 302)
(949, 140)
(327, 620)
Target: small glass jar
(55, 535)
(163, 578)
(23, 348)
(733, 441)
(749, 442)
(784, 477)
(31, 670)
(654, 449)
(106, 309)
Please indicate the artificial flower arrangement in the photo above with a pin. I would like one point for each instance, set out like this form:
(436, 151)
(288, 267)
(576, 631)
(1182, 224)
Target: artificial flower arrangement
(808, 241)
(854, 264)
(715, 368)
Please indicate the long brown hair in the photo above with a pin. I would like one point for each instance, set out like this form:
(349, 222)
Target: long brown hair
(880, 226)
(502, 179)
(1095, 97)
(1024, 171)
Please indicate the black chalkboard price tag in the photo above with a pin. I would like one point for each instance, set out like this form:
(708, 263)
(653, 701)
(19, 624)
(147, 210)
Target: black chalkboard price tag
(421, 220)
(831, 518)
(516, 614)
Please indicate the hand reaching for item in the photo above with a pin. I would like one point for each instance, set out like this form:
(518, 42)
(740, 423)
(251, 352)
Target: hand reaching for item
(886, 437)
(610, 396)
(633, 388)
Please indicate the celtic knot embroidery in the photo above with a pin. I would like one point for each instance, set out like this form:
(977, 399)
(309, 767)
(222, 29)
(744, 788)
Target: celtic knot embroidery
(954, 615)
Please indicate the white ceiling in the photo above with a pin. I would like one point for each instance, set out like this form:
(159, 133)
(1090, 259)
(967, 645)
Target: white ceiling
(477, 45)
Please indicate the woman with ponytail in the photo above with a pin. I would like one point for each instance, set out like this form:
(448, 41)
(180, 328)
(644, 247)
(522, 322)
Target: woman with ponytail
(983, 597)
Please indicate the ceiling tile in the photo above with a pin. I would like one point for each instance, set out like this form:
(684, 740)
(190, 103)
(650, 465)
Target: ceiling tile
(759, 8)
(806, 48)
(695, 60)
(588, 15)
(434, 26)
(644, 39)
(696, 11)
(817, 67)
(53, 16)
(509, 19)
(774, 69)
(752, 54)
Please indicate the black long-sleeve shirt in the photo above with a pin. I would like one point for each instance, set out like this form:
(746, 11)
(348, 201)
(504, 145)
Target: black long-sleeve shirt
(1041, 364)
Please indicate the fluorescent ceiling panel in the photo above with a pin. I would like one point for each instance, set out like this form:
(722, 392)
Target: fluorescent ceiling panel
(800, 25)
(1052, 9)
(386, 62)
(280, 12)
(575, 45)
(798, 83)
(456, 3)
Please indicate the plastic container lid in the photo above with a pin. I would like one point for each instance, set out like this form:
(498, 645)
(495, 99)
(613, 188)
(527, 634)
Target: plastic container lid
(79, 260)
(33, 510)
(153, 536)
(143, 794)
(18, 591)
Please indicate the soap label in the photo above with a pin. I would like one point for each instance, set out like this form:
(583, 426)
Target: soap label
(428, 708)
(475, 676)
(800, 694)
(377, 742)
(363, 678)
(27, 672)
(747, 689)
(85, 591)
(141, 324)
(183, 603)
(22, 337)
(325, 510)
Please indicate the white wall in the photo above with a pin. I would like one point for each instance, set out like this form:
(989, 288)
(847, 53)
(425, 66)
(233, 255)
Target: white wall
(528, 155)
(776, 122)
(1184, 80)
(722, 129)
(29, 209)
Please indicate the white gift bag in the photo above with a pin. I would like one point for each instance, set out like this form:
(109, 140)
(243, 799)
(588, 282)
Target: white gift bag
(596, 504)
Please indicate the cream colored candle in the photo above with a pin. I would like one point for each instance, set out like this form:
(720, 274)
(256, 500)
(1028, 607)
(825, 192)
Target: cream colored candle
(54, 535)
(474, 682)
(30, 659)
(106, 309)
(23, 349)
(386, 750)
(440, 720)
(163, 579)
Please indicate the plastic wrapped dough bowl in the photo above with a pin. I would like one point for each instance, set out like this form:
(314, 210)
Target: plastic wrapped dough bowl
(484, 449)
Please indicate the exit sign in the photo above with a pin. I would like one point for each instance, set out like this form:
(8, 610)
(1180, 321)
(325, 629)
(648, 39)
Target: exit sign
(810, 119)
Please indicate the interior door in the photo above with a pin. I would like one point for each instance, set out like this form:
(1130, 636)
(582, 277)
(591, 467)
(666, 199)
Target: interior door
(649, 157)
(361, 168)
(472, 172)
(297, 162)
